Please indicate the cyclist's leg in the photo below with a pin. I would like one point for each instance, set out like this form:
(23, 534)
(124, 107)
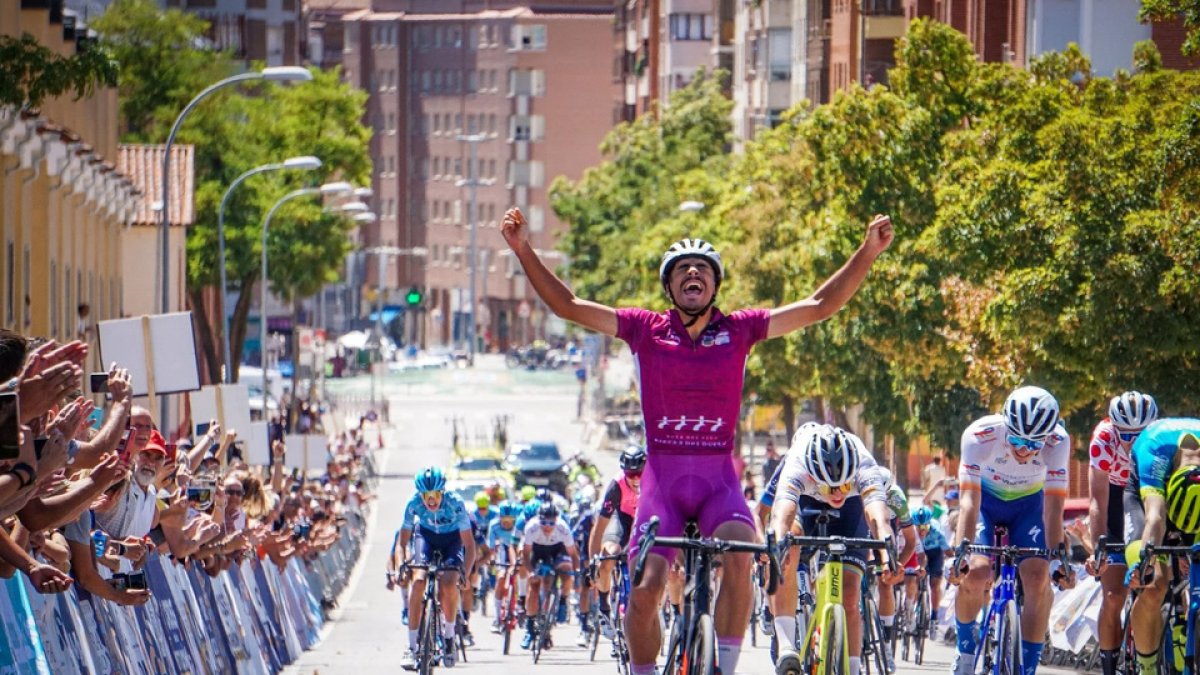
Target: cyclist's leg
(1027, 530)
(641, 614)
(934, 565)
(1146, 612)
(724, 513)
(973, 588)
(566, 580)
(1112, 582)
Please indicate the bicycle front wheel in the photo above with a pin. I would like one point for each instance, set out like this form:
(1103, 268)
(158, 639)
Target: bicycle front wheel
(428, 639)
(921, 627)
(1008, 640)
(702, 653)
(834, 657)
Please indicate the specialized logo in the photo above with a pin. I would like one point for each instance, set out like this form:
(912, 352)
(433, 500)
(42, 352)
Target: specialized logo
(1035, 531)
(696, 424)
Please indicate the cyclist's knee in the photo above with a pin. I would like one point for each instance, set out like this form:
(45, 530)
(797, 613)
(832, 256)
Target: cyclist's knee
(737, 564)
(977, 578)
(1035, 576)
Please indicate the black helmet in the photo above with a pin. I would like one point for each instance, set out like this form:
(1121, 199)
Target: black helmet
(545, 496)
(548, 511)
(633, 459)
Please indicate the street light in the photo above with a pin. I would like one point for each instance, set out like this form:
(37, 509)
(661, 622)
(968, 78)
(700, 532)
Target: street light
(383, 251)
(304, 163)
(353, 207)
(324, 190)
(275, 73)
(472, 181)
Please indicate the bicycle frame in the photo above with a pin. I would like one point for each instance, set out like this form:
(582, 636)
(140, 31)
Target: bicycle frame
(1192, 553)
(1003, 592)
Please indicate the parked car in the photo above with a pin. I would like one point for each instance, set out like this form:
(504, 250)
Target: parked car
(539, 464)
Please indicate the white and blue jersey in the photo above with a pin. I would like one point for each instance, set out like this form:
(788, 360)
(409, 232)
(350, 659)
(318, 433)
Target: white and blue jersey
(500, 540)
(451, 515)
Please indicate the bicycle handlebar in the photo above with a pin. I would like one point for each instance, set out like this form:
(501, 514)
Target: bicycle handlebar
(650, 539)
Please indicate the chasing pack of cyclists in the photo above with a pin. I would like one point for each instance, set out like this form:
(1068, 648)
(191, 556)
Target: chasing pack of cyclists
(1013, 478)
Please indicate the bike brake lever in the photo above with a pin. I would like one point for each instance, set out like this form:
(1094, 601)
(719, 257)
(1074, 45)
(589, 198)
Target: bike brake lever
(773, 561)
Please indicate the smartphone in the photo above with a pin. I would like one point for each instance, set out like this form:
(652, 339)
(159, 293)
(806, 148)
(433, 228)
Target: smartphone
(99, 382)
(235, 452)
(38, 444)
(10, 426)
(200, 494)
(202, 429)
(96, 419)
(124, 443)
(135, 581)
(172, 451)
(119, 582)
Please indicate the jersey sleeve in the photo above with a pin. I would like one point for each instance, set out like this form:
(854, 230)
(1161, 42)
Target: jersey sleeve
(612, 500)
(1152, 457)
(1058, 458)
(1100, 450)
(462, 519)
(898, 503)
(968, 466)
(564, 535)
(632, 323)
(791, 480)
(756, 321)
(872, 484)
(410, 514)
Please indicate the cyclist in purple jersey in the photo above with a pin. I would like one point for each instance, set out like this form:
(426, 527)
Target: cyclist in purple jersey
(691, 363)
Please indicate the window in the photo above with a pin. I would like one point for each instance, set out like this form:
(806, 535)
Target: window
(437, 80)
(457, 167)
(492, 80)
(471, 123)
(425, 169)
(472, 81)
(458, 123)
(458, 212)
(526, 173)
(391, 123)
(454, 38)
(529, 38)
(691, 26)
(537, 219)
(426, 80)
(526, 127)
(483, 35)
(438, 34)
(526, 82)
(437, 124)
(491, 124)
(437, 168)
(779, 54)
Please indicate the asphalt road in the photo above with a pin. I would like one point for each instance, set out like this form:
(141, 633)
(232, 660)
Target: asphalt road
(365, 634)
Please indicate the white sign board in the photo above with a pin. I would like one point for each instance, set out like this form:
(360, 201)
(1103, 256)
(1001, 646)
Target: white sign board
(228, 404)
(159, 351)
(307, 452)
(258, 445)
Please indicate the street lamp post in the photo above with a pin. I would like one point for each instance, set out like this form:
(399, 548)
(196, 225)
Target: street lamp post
(472, 181)
(383, 251)
(274, 74)
(327, 189)
(304, 163)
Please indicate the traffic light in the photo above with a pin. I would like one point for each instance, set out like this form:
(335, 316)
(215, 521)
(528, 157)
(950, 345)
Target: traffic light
(413, 297)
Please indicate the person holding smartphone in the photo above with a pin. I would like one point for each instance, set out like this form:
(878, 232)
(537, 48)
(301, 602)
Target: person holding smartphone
(83, 552)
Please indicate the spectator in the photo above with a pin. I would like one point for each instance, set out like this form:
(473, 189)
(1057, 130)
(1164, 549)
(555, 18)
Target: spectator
(770, 462)
(82, 536)
(933, 476)
(135, 513)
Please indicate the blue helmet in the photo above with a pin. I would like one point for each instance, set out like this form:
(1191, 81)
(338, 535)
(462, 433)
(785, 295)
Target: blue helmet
(508, 509)
(922, 516)
(431, 479)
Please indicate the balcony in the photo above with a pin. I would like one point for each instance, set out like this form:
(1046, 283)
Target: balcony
(882, 7)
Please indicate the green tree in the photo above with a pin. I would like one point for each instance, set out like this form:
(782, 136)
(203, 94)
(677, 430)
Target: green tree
(30, 72)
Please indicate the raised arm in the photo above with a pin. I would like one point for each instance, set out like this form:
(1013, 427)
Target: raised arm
(839, 288)
(557, 296)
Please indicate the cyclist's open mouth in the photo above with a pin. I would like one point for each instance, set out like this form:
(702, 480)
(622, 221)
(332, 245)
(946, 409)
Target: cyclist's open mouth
(693, 289)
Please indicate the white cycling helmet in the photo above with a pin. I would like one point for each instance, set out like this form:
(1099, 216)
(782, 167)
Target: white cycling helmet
(1031, 413)
(1132, 410)
(690, 248)
(830, 454)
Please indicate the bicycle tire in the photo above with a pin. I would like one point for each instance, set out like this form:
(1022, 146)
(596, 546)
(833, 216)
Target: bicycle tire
(1008, 640)
(426, 642)
(1166, 658)
(674, 646)
(922, 624)
(834, 657)
(702, 652)
(459, 631)
(873, 652)
(594, 640)
(507, 631)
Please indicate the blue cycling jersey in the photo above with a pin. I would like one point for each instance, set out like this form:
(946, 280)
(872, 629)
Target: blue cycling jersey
(934, 540)
(498, 536)
(1154, 451)
(451, 515)
(480, 523)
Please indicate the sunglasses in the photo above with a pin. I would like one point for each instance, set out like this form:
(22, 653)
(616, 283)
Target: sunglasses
(633, 474)
(1027, 444)
(432, 494)
(845, 488)
(1128, 436)
(235, 493)
(548, 523)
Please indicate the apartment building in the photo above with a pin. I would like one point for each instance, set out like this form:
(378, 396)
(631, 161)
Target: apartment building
(764, 70)
(64, 203)
(517, 86)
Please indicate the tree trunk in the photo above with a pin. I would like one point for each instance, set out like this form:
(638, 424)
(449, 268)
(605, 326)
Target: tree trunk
(789, 415)
(237, 324)
(208, 341)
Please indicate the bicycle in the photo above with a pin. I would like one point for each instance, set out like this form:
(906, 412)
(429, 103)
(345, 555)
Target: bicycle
(620, 590)
(430, 647)
(693, 649)
(510, 613)
(1127, 655)
(916, 628)
(546, 618)
(824, 649)
(999, 650)
(877, 652)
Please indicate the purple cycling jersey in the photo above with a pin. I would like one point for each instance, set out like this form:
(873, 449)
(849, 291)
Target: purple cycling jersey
(691, 389)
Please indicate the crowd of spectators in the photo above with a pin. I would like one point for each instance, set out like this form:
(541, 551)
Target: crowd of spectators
(96, 488)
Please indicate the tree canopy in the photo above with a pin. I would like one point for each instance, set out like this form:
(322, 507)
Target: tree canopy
(1045, 225)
